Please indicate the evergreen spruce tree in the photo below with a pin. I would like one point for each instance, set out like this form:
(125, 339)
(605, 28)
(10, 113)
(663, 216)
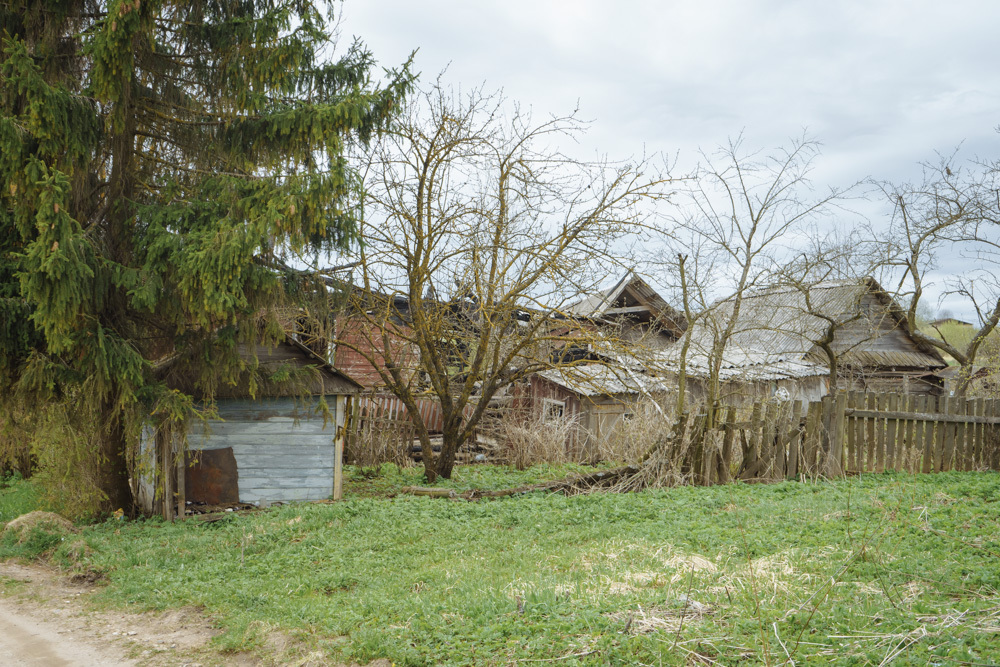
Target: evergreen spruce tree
(159, 161)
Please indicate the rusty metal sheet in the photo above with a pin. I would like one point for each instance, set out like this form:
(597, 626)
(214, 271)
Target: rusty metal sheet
(211, 477)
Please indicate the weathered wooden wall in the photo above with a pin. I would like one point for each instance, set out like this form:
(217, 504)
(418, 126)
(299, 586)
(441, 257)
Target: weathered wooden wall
(283, 449)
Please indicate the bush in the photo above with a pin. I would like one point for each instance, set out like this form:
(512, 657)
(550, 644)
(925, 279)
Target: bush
(526, 441)
(634, 434)
(380, 441)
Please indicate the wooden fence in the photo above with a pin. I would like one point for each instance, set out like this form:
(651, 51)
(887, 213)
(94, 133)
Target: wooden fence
(380, 429)
(847, 434)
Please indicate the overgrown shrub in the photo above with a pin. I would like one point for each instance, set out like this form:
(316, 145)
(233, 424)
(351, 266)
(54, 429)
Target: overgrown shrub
(16, 426)
(66, 475)
(380, 441)
(525, 440)
(636, 432)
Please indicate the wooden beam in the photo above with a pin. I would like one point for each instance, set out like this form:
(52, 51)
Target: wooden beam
(338, 448)
(922, 416)
(181, 490)
(627, 310)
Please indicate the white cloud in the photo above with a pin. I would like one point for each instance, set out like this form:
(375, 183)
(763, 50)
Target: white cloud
(881, 84)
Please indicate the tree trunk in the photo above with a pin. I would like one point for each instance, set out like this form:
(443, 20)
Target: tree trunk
(112, 466)
(962, 380)
(449, 448)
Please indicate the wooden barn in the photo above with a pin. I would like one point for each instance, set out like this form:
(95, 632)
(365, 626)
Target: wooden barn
(784, 338)
(280, 445)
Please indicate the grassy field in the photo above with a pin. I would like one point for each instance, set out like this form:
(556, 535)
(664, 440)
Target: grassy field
(877, 570)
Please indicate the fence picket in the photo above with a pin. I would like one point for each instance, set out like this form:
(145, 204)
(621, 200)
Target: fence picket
(859, 434)
(941, 436)
(909, 430)
(724, 472)
(795, 441)
(989, 442)
(892, 404)
(960, 407)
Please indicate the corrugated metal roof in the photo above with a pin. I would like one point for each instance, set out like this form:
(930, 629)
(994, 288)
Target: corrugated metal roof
(601, 380)
(781, 325)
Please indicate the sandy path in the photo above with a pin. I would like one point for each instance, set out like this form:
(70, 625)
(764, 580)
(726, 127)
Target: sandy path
(45, 619)
(28, 640)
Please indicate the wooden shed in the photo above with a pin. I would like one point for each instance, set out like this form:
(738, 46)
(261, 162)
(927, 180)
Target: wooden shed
(279, 445)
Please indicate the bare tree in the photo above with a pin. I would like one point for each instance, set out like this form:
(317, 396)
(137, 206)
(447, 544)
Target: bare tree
(952, 215)
(743, 216)
(477, 232)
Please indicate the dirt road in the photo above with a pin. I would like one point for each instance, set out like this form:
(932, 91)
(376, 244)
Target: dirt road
(28, 640)
(45, 620)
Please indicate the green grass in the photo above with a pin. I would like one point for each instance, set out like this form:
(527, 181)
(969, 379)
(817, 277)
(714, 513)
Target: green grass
(851, 572)
(17, 497)
(389, 479)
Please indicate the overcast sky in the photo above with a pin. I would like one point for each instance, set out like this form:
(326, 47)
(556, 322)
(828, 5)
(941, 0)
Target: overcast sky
(882, 84)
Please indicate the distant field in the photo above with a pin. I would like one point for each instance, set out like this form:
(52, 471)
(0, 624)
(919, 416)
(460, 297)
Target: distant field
(884, 569)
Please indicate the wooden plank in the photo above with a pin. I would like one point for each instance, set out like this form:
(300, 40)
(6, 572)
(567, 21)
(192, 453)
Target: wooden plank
(825, 432)
(181, 489)
(925, 416)
(807, 465)
(795, 442)
(724, 474)
(943, 437)
(984, 435)
(852, 440)
(925, 437)
(276, 452)
(287, 442)
(892, 406)
(952, 435)
(880, 423)
(281, 404)
(910, 454)
(783, 437)
(167, 471)
(768, 437)
(858, 426)
(973, 437)
(960, 406)
(851, 435)
(976, 436)
(835, 464)
(752, 441)
(250, 428)
(870, 443)
(267, 496)
(986, 444)
(262, 479)
(338, 447)
(991, 439)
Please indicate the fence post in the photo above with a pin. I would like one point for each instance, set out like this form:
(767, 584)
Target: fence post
(795, 440)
